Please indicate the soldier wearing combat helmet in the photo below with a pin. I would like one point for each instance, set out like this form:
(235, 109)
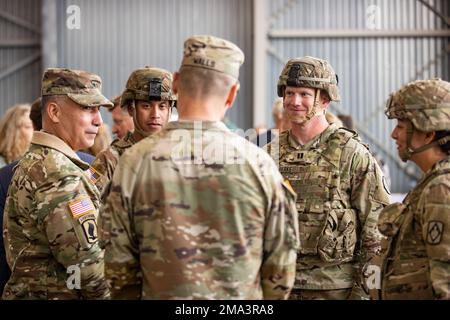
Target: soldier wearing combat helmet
(339, 186)
(149, 99)
(50, 223)
(417, 230)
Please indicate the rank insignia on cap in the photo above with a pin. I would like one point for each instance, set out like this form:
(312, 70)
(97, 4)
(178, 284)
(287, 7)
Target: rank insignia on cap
(81, 206)
(94, 175)
(90, 230)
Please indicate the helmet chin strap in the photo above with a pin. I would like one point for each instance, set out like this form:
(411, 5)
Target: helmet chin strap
(137, 127)
(410, 151)
(311, 114)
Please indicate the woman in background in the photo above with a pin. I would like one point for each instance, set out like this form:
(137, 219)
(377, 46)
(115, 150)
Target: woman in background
(16, 131)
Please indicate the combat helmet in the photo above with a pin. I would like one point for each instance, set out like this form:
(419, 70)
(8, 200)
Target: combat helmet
(147, 84)
(426, 106)
(309, 72)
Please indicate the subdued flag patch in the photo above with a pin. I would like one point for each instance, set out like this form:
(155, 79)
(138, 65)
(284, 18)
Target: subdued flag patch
(93, 174)
(81, 206)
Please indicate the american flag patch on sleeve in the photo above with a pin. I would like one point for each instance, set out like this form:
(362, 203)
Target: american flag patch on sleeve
(81, 206)
(93, 175)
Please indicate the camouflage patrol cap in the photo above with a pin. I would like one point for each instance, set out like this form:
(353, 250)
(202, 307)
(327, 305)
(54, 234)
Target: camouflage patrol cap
(426, 103)
(309, 72)
(213, 53)
(80, 86)
(148, 84)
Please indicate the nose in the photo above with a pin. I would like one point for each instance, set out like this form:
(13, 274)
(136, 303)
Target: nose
(155, 112)
(394, 134)
(97, 117)
(296, 99)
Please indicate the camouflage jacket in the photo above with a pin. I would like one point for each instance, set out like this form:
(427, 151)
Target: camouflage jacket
(340, 193)
(417, 250)
(50, 226)
(106, 161)
(199, 214)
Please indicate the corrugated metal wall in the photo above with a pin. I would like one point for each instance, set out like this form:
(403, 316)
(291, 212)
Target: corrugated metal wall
(118, 36)
(368, 68)
(20, 65)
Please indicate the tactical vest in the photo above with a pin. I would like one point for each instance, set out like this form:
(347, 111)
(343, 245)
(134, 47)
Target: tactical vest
(326, 220)
(406, 273)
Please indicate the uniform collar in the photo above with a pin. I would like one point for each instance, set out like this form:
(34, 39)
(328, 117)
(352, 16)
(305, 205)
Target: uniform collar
(197, 124)
(440, 165)
(51, 141)
(316, 141)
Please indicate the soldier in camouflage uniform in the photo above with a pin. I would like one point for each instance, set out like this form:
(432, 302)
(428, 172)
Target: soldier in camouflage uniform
(50, 216)
(197, 211)
(149, 99)
(417, 250)
(339, 187)
(122, 121)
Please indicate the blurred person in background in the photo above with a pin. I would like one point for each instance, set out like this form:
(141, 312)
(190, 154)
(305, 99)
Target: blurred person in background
(16, 131)
(332, 118)
(122, 120)
(348, 123)
(281, 122)
(101, 142)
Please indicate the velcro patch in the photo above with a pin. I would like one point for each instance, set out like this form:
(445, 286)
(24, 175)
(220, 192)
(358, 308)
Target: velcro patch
(90, 230)
(435, 230)
(93, 174)
(81, 206)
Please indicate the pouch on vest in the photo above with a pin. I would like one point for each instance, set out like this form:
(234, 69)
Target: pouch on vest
(311, 226)
(411, 285)
(338, 241)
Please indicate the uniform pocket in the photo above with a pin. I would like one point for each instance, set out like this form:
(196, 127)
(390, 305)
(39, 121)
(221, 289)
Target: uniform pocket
(411, 285)
(338, 240)
(311, 226)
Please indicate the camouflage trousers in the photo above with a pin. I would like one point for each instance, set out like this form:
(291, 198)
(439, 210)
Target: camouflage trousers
(337, 294)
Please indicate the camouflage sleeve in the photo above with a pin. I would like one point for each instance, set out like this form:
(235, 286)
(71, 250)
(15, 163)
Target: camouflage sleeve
(122, 266)
(67, 215)
(281, 241)
(105, 163)
(369, 195)
(436, 233)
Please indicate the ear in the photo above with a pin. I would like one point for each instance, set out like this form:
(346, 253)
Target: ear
(176, 78)
(430, 136)
(53, 111)
(130, 109)
(325, 102)
(232, 94)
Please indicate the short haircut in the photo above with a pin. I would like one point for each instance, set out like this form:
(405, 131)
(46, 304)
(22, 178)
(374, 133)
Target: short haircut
(36, 114)
(53, 98)
(200, 82)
